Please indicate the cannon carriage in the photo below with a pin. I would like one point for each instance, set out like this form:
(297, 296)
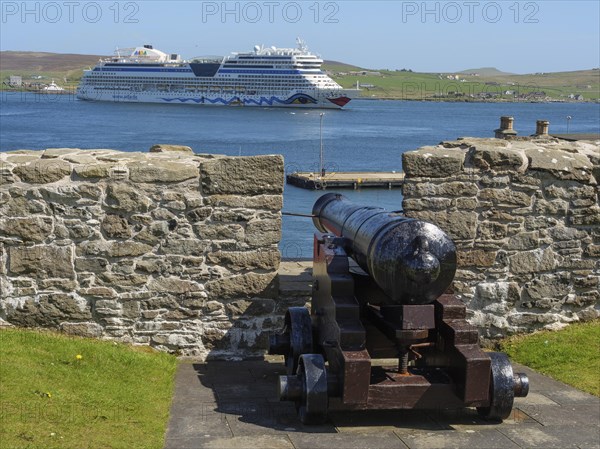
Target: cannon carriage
(382, 333)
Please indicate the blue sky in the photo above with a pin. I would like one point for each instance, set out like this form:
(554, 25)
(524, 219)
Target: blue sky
(443, 36)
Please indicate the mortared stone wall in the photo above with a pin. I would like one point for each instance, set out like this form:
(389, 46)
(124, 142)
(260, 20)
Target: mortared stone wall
(168, 248)
(525, 216)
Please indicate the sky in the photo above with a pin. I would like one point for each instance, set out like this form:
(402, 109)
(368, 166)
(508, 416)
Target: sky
(435, 36)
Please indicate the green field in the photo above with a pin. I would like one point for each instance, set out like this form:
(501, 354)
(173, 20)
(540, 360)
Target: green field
(58, 391)
(571, 355)
(429, 86)
(65, 69)
(66, 80)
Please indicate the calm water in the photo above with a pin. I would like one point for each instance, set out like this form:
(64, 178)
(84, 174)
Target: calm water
(369, 135)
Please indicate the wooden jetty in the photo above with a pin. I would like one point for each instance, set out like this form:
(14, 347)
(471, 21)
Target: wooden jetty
(345, 180)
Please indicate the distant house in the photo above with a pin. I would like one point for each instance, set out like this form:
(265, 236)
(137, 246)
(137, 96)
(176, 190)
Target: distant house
(365, 73)
(537, 95)
(15, 81)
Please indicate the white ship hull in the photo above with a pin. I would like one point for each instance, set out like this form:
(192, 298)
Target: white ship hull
(299, 100)
(265, 77)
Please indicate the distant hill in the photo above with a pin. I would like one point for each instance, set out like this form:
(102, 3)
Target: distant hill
(486, 71)
(336, 66)
(29, 61)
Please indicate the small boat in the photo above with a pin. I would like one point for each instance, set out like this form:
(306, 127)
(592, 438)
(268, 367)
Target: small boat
(52, 88)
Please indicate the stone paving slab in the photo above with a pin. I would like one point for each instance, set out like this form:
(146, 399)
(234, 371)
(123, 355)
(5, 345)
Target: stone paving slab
(382, 440)
(295, 277)
(486, 438)
(233, 405)
(563, 436)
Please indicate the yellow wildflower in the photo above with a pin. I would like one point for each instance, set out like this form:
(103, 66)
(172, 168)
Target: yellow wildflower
(78, 357)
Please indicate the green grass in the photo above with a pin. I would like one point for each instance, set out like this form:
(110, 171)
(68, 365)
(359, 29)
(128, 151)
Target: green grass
(72, 76)
(430, 86)
(571, 355)
(114, 396)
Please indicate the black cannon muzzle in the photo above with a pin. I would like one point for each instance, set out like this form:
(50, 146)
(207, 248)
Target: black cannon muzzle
(412, 261)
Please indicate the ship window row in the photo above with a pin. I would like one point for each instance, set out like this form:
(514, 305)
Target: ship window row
(253, 79)
(219, 80)
(212, 81)
(262, 66)
(260, 61)
(187, 79)
(259, 91)
(262, 57)
(215, 82)
(262, 75)
(317, 78)
(182, 87)
(277, 61)
(150, 86)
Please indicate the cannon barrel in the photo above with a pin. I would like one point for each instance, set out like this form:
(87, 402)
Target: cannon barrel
(411, 260)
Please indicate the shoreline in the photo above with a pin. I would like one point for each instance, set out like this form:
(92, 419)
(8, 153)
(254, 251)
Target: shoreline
(69, 91)
(479, 100)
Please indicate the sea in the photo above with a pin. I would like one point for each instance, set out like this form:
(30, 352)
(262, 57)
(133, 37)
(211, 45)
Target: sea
(368, 135)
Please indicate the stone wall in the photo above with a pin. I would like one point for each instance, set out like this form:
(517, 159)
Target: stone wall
(167, 248)
(525, 217)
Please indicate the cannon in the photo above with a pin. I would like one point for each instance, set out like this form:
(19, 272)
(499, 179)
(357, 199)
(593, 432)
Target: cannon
(382, 331)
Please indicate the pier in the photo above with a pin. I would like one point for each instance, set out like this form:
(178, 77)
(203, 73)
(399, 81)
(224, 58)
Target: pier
(345, 180)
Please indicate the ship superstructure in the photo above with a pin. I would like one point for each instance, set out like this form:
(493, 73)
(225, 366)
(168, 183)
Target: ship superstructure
(282, 77)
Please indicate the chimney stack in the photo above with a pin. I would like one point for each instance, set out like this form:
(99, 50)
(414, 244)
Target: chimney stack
(506, 130)
(541, 127)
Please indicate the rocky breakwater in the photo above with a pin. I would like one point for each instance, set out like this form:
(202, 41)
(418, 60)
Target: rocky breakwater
(168, 248)
(525, 217)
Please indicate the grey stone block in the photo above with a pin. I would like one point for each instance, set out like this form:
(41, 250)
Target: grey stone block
(255, 175)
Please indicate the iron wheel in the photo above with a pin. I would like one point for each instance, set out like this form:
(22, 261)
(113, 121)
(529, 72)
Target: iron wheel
(501, 389)
(312, 406)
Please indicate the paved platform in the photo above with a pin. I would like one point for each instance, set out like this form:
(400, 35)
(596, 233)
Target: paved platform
(225, 405)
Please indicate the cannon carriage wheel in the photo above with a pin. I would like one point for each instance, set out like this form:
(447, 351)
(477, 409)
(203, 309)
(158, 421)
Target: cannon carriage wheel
(299, 326)
(312, 406)
(295, 338)
(502, 389)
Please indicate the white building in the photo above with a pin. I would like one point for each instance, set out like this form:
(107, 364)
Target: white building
(15, 81)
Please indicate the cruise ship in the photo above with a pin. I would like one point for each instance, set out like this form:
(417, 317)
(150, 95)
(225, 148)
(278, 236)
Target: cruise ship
(267, 77)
